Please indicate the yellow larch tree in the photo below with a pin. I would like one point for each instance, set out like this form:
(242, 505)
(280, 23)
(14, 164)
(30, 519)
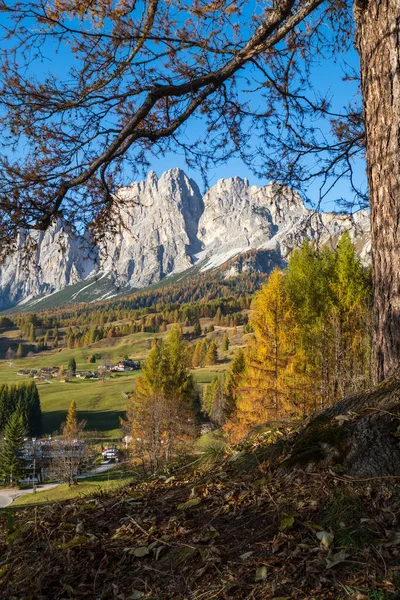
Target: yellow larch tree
(267, 384)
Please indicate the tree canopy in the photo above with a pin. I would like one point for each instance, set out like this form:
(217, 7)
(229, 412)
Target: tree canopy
(23, 398)
(134, 74)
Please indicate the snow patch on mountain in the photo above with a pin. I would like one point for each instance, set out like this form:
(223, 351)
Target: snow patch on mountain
(166, 227)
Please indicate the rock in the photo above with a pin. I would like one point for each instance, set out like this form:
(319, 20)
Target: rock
(166, 227)
(365, 446)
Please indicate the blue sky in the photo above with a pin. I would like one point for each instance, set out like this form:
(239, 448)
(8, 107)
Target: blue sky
(327, 78)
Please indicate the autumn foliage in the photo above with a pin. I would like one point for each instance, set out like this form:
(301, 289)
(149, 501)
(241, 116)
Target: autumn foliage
(311, 341)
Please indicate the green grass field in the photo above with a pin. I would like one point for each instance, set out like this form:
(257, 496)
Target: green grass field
(108, 480)
(99, 403)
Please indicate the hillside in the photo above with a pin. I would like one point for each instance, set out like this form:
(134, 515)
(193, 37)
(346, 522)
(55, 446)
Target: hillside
(100, 403)
(304, 506)
(241, 275)
(242, 527)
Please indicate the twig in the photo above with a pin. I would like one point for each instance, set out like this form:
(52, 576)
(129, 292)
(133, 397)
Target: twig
(349, 479)
(149, 534)
(383, 411)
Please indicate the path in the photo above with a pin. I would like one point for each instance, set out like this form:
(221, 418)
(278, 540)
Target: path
(7, 496)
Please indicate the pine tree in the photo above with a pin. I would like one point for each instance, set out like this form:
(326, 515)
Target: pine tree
(178, 383)
(9, 401)
(72, 366)
(218, 316)
(264, 393)
(203, 351)
(162, 411)
(225, 343)
(28, 406)
(10, 354)
(216, 400)
(309, 279)
(211, 357)
(197, 329)
(31, 333)
(232, 383)
(352, 328)
(196, 358)
(21, 351)
(23, 398)
(11, 463)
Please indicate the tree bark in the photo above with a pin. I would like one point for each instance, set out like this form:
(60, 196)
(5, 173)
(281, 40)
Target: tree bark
(378, 44)
(358, 436)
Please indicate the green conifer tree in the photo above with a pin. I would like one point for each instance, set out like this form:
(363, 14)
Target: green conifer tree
(30, 409)
(163, 408)
(197, 329)
(72, 366)
(211, 357)
(225, 343)
(11, 463)
(21, 351)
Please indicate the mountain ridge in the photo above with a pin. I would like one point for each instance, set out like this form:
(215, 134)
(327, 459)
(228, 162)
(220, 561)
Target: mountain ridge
(167, 227)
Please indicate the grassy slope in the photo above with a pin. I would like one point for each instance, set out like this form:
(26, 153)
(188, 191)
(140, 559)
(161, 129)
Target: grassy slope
(103, 482)
(237, 530)
(100, 404)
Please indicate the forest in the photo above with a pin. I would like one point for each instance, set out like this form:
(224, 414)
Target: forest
(309, 345)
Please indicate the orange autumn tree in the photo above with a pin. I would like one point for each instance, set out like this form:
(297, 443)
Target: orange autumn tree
(268, 387)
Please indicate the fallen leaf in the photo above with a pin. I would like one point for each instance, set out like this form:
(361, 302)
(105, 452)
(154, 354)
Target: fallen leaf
(246, 555)
(261, 573)
(3, 570)
(189, 503)
(140, 552)
(325, 538)
(336, 559)
(286, 523)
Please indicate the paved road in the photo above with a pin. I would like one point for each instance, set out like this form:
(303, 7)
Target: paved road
(7, 496)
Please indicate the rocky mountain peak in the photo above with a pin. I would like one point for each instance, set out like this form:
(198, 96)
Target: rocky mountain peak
(166, 226)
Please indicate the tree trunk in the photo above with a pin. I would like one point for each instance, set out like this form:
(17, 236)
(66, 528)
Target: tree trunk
(378, 44)
(358, 436)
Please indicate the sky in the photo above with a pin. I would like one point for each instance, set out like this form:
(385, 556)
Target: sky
(327, 78)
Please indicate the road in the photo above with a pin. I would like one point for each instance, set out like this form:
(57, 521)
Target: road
(7, 496)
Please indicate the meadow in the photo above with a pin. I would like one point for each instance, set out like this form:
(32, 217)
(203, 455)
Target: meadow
(100, 403)
(101, 482)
